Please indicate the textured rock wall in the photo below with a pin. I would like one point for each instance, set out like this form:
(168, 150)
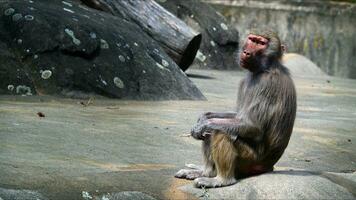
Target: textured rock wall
(323, 31)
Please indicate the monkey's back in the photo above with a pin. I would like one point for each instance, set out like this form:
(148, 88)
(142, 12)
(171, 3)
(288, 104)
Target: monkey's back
(268, 99)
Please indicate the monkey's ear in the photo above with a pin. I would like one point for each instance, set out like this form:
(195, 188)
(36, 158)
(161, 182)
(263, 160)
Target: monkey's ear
(284, 48)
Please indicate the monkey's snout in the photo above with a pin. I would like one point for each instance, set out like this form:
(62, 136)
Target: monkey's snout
(246, 53)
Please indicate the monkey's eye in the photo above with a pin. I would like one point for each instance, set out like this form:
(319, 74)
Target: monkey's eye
(262, 43)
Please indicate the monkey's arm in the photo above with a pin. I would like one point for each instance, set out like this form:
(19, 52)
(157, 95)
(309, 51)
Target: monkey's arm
(209, 115)
(235, 128)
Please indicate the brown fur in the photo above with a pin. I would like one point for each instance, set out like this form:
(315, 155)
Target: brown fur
(253, 139)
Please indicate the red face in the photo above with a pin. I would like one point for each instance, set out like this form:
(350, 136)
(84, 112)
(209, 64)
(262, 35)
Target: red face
(254, 44)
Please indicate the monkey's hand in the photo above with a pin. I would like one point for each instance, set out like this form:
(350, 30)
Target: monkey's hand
(201, 130)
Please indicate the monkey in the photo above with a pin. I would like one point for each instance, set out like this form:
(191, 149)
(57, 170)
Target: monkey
(252, 139)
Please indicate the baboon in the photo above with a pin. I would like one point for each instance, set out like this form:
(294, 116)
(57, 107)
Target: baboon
(252, 139)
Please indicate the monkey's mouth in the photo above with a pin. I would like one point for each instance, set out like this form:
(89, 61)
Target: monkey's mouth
(243, 63)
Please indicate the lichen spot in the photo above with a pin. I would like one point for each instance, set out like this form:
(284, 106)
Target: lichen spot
(118, 83)
(122, 58)
(68, 10)
(10, 87)
(9, 11)
(224, 26)
(71, 34)
(46, 74)
(16, 17)
(159, 66)
(135, 44)
(212, 43)
(29, 17)
(165, 63)
(35, 56)
(92, 35)
(200, 56)
(104, 44)
(214, 29)
(19, 41)
(67, 3)
(23, 89)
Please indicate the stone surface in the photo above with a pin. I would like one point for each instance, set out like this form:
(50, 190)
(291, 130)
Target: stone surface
(220, 40)
(323, 31)
(108, 146)
(10, 194)
(67, 49)
(299, 65)
(127, 195)
(283, 184)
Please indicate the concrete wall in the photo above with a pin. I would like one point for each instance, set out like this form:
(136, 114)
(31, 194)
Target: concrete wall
(323, 31)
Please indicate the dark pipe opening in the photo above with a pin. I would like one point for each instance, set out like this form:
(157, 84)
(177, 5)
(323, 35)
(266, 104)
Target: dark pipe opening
(190, 52)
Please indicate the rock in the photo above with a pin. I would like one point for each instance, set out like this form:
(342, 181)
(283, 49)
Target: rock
(64, 48)
(179, 41)
(127, 195)
(220, 40)
(310, 28)
(10, 194)
(299, 65)
(286, 184)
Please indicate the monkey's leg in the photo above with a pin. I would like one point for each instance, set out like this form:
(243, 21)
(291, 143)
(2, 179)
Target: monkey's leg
(208, 170)
(224, 155)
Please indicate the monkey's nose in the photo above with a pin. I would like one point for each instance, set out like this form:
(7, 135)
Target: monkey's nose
(246, 53)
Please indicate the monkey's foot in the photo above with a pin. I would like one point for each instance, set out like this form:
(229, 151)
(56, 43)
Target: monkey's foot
(189, 174)
(213, 182)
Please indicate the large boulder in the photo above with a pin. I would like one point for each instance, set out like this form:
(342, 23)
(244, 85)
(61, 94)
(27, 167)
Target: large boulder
(283, 184)
(220, 40)
(62, 47)
(299, 65)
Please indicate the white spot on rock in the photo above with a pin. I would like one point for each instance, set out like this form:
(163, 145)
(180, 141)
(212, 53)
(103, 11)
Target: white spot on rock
(92, 35)
(118, 83)
(9, 11)
(86, 195)
(121, 58)
(67, 3)
(46, 74)
(19, 41)
(16, 17)
(159, 65)
(104, 198)
(200, 56)
(165, 63)
(11, 87)
(71, 34)
(214, 29)
(83, 7)
(104, 82)
(224, 26)
(135, 44)
(23, 89)
(144, 71)
(212, 43)
(35, 56)
(104, 44)
(29, 17)
(68, 10)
